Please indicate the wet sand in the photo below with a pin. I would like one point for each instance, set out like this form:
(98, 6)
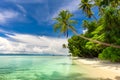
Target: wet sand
(102, 70)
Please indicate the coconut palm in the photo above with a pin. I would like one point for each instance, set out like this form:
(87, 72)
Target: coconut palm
(111, 17)
(64, 23)
(99, 4)
(114, 3)
(86, 7)
(112, 21)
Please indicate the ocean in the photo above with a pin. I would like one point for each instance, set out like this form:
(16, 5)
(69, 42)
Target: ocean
(40, 68)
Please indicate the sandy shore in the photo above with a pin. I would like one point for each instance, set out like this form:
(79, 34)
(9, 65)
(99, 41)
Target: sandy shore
(103, 70)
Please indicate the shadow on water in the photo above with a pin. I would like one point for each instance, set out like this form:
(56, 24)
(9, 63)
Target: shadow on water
(58, 76)
(55, 76)
(7, 70)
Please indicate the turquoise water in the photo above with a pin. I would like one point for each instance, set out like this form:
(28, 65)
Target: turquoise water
(40, 68)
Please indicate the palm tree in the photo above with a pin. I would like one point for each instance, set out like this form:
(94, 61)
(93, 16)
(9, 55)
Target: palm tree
(64, 23)
(106, 3)
(86, 7)
(111, 23)
(115, 3)
(99, 4)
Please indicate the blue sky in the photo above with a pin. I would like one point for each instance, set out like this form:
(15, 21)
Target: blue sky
(31, 19)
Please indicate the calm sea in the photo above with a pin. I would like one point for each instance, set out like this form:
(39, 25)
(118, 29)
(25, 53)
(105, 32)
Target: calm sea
(40, 68)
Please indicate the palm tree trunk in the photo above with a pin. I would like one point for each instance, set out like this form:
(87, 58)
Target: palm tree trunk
(67, 32)
(96, 41)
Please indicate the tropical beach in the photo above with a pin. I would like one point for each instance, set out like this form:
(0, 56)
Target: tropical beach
(100, 69)
(60, 40)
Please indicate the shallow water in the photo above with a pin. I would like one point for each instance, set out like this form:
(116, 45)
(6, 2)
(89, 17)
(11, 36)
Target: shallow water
(40, 68)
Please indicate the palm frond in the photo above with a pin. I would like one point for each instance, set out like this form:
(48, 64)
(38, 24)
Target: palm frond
(72, 22)
(57, 26)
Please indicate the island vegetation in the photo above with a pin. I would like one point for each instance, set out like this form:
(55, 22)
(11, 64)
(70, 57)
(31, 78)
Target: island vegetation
(102, 36)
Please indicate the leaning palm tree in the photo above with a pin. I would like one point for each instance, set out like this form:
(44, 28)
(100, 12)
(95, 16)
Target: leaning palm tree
(86, 7)
(64, 23)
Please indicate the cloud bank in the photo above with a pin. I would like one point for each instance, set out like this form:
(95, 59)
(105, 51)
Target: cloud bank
(24, 43)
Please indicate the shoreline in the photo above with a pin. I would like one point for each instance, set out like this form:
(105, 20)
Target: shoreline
(96, 68)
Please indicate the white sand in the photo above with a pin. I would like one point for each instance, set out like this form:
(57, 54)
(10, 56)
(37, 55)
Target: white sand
(100, 69)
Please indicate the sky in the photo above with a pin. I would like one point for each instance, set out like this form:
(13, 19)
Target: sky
(26, 26)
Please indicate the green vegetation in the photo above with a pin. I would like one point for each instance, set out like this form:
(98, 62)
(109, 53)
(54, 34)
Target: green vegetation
(102, 38)
(64, 23)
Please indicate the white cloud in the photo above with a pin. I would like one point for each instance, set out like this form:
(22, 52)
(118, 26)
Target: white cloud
(7, 15)
(72, 6)
(84, 31)
(22, 9)
(32, 44)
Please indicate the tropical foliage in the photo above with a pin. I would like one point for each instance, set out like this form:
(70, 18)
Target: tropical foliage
(64, 23)
(102, 38)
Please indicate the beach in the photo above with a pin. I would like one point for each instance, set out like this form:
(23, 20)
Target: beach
(103, 70)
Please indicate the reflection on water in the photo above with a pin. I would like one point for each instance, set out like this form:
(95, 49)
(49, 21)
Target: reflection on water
(40, 68)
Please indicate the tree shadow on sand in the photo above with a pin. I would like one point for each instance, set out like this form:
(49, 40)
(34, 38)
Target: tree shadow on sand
(117, 77)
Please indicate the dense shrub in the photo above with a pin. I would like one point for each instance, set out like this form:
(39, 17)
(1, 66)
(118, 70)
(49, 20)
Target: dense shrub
(111, 54)
(76, 45)
(82, 48)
